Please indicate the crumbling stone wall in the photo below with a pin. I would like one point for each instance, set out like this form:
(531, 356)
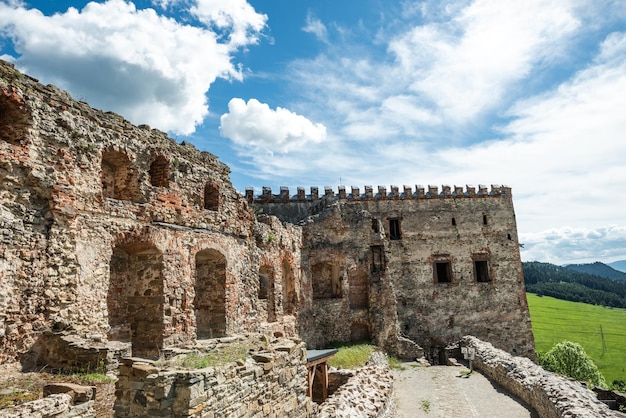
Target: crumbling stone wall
(270, 382)
(366, 394)
(550, 394)
(422, 266)
(115, 233)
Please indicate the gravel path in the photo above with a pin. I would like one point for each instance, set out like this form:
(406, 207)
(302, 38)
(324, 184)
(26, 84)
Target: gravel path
(442, 391)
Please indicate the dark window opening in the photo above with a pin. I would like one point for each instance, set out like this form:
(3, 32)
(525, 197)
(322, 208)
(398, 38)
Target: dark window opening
(159, 172)
(264, 284)
(508, 236)
(375, 226)
(394, 229)
(453, 222)
(378, 261)
(481, 271)
(118, 177)
(484, 219)
(327, 281)
(443, 272)
(211, 197)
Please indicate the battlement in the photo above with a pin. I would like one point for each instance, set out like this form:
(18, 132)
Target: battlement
(421, 192)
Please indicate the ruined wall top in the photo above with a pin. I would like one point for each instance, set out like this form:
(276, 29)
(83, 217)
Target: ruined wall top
(381, 193)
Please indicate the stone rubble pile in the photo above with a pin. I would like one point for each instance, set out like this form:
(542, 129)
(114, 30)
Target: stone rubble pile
(369, 393)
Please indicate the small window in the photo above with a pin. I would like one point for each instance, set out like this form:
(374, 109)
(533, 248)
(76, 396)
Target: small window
(159, 172)
(211, 197)
(394, 229)
(481, 271)
(443, 272)
(485, 219)
(375, 226)
(453, 222)
(264, 282)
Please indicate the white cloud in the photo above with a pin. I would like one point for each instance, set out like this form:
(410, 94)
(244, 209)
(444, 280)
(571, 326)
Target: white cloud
(150, 68)
(316, 27)
(255, 125)
(575, 245)
(465, 64)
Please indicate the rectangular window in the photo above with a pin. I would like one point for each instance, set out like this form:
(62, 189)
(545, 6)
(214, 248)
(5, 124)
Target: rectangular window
(481, 271)
(394, 229)
(443, 272)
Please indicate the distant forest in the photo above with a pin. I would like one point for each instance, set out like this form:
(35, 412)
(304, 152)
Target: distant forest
(568, 283)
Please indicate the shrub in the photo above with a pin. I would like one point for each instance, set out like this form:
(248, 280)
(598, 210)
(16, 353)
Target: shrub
(570, 359)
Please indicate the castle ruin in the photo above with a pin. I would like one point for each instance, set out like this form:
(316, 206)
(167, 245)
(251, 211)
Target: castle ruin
(116, 240)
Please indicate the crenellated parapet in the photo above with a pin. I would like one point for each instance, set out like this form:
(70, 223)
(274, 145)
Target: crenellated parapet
(381, 193)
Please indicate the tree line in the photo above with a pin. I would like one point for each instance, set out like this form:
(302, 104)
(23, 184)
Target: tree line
(568, 284)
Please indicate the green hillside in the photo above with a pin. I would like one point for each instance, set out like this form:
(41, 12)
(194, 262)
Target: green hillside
(555, 320)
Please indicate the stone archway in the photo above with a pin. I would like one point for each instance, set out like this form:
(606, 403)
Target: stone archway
(210, 301)
(135, 298)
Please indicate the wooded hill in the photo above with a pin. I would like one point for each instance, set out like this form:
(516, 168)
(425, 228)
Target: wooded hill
(569, 284)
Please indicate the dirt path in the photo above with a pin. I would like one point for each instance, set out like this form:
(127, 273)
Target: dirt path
(441, 391)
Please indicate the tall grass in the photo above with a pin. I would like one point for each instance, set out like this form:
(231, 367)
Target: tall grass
(555, 320)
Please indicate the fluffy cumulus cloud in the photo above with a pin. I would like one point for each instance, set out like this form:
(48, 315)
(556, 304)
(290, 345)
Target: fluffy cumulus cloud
(255, 125)
(146, 66)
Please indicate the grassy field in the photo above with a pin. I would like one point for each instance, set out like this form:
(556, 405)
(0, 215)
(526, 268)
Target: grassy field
(555, 320)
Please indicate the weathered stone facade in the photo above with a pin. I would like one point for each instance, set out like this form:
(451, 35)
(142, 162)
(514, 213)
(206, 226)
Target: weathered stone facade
(117, 242)
(423, 266)
(117, 234)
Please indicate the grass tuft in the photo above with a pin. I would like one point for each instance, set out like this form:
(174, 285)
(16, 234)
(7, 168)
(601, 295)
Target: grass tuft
(351, 355)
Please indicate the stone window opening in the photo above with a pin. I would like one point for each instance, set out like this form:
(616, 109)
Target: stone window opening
(264, 282)
(375, 225)
(290, 295)
(14, 120)
(394, 229)
(453, 222)
(481, 271)
(159, 172)
(508, 236)
(211, 197)
(118, 177)
(326, 281)
(135, 298)
(210, 301)
(266, 291)
(443, 271)
(485, 220)
(378, 259)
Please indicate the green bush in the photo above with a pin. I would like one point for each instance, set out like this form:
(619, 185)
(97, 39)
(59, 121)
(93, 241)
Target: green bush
(570, 359)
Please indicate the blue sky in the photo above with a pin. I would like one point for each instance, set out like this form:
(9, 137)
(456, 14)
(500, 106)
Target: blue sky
(364, 92)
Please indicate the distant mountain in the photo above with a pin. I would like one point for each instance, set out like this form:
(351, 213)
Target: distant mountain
(569, 284)
(619, 265)
(599, 269)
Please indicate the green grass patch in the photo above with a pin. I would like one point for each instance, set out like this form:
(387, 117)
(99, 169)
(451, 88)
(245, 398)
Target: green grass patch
(193, 361)
(396, 363)
(600, 330)
(351, 355)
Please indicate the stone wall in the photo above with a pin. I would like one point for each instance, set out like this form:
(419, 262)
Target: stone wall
(63, 400)
(89, 201)
(270, 382)
(366, 394)
(550, 394)
(426, 266)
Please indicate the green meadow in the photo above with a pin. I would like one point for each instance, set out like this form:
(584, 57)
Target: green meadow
(600, 330)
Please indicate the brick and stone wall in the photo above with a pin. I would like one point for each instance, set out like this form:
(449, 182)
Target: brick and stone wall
(270, 382)
(550, 394)
(116, 233)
